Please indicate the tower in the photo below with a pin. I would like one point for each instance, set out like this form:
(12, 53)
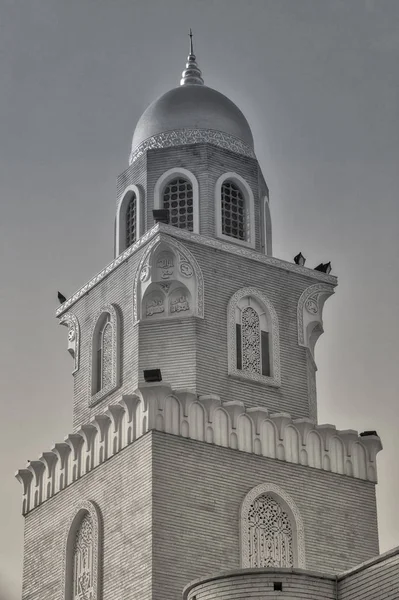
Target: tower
(195, 445)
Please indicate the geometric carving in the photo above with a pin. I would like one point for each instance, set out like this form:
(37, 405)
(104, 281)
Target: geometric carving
(104, 350)
(310, 312)
(70, 320)
(272, 530)
(82, 552)
(172, 285)
(251, 332)
(182, 137)
(270, 534)
(160, 231)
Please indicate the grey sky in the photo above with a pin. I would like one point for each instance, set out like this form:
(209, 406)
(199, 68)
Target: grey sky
(318, 82)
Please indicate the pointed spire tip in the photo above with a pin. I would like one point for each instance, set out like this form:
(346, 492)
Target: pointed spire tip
(192, 73)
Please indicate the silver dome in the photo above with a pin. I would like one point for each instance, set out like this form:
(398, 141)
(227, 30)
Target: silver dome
(192, 107)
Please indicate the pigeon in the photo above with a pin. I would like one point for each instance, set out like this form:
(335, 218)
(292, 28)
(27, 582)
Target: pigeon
(61, 298)
(324, 268)
(299, 259)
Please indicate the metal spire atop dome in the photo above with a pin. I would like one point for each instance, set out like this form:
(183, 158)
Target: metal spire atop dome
(192, 73)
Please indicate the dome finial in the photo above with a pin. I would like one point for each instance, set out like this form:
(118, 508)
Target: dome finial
(192, 73)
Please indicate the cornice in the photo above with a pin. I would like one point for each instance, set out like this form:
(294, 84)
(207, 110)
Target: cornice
(183, 137)
(182, 234)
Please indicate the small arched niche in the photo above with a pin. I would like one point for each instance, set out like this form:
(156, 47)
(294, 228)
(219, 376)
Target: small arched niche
(168, 283)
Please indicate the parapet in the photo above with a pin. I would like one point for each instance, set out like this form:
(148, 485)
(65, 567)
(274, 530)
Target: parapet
(203, 418)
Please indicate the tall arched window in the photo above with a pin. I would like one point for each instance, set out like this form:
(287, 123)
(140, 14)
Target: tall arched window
(234, 212)
(178, 200)
(272, 532)
(104, 351)
(81, 564)
(253, 337)
(104, 355)
(83, 580)
(131, 221)
(128, 226)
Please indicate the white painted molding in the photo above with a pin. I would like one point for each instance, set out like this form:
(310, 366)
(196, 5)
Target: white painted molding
(274, 345)
(249, 209)
(163, 231)
(310, 314)
(289, 506)
(166, 178)
(120, 229)
(205, 418)
(90, 508)
(113, 311)
(71, 321)
(187, 271)
(182, 137)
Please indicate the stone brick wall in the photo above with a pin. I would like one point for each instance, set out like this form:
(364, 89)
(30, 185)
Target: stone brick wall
(193, 353)
(122, 489)
(377, 579)
(259, 583)
(198, 490)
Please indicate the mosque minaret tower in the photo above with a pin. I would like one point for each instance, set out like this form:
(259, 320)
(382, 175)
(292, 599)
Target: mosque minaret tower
(196, 452)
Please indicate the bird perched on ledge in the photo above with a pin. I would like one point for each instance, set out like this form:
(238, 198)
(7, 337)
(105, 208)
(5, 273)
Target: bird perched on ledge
(324, 268)
(61, 298)
(299, 259)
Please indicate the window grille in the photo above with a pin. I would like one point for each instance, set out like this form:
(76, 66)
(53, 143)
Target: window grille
(83, 580)
(252, 344)
(131, 221)
(270, 536)
(233, 211)
(178, 200)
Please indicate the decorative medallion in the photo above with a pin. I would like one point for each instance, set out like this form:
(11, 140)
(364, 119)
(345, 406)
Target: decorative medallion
(144, 273)
(311, 306)
(71, 334)
(186, 269)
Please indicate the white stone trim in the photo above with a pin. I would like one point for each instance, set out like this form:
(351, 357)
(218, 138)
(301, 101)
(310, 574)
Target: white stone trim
(70, 320)
(188, 236)
(289, 505)
(112, 310)
(249, 208)
(120, 227)
(164, 180)
(82, 508)
(184, 256)
(275, 378)
(183, 137)
(228, 424)
(310, 314)
(267, 227)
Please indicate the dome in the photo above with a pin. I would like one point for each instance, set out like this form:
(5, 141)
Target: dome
(193, 107)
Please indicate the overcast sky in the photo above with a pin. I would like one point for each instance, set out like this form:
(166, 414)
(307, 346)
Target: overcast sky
(318, 82)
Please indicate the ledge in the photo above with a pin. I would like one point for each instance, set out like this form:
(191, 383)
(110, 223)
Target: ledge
(167, 230)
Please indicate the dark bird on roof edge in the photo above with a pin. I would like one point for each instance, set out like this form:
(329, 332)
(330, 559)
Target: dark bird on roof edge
(61, 298)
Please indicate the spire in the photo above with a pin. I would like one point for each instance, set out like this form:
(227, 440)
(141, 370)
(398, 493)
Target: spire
(192, 73)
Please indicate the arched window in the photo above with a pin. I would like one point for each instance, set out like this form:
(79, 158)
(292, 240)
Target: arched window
(131, 221)
(81, 564)
(83, 580)
(270, 534)
(178, 200)
(272, 531)
(253, 337)
(128, 218)
(104, 351)
(234, 213)
(104, 355)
